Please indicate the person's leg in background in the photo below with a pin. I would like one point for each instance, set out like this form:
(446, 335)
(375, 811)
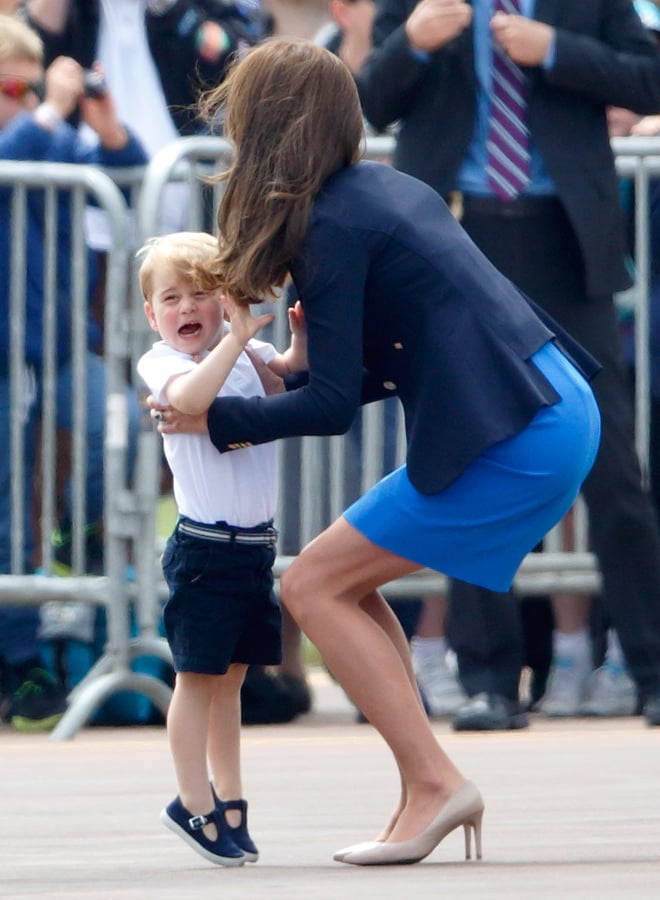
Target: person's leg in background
(437, 679)
(485, 631)
(293, 668)
(581, 683)
(30, 700)
(623, 525)
(572, 661)
(537, 623)
(623, 528)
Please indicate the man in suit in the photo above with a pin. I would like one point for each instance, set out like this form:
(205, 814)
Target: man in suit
(559, 235)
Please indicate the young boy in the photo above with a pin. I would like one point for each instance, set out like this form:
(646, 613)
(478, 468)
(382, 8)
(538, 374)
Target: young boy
(221, 614)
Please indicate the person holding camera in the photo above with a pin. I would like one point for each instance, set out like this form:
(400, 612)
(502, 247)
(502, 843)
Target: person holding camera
(157, 54)
(34, 107)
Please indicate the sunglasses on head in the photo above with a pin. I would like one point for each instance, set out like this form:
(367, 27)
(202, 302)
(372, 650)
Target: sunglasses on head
(16, 88)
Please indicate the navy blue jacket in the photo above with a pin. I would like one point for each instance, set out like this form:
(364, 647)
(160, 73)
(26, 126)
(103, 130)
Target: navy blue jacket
(398, 299)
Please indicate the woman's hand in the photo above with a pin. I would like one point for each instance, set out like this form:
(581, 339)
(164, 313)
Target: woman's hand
(271, 382)
(297, 354)
(171, 421)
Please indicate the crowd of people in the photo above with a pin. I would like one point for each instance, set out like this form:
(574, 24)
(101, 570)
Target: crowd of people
(504, 123)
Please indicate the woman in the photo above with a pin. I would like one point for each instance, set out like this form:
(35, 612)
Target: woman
(502, 428)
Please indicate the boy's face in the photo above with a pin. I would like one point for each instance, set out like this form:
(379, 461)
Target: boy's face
(186, 318)
(19, 81)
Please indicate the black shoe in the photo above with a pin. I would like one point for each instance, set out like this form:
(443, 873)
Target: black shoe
(490, 712)
(239, 833)
(651, 710)
(222, 851)
(265, 700)
(38, 704)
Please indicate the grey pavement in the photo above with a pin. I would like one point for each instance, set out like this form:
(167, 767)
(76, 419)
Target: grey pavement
(572, 811)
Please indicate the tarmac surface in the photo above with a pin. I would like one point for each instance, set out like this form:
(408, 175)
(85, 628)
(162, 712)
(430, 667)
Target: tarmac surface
(572, 811)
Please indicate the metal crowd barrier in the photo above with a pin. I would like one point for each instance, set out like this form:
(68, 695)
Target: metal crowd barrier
(318, 476)
(113, 672)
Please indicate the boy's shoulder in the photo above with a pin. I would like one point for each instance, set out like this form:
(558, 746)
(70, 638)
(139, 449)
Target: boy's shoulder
(161, 352)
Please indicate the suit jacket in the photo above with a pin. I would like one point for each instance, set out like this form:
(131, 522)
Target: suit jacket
(398, 299)
(603, 57)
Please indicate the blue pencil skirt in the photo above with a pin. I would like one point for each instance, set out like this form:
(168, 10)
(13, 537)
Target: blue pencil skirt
(480, 528)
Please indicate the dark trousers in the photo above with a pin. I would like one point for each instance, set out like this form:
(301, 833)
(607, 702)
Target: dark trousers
(485, 632)
(539, 253)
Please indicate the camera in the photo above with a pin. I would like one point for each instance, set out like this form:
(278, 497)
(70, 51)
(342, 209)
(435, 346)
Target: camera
(94, 84)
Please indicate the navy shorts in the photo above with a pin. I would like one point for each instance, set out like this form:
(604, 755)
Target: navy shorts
(221, 608)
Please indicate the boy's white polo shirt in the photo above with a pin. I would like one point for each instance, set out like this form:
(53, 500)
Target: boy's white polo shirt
(238, 487)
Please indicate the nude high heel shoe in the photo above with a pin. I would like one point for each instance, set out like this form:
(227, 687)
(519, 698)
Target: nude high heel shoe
(465, 807)
(340, 855)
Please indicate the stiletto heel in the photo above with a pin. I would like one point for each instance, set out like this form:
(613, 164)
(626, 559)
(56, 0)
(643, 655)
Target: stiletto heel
(468, 827)
(465, 807)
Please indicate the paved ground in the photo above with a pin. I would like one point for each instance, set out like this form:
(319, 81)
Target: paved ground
(572, 811)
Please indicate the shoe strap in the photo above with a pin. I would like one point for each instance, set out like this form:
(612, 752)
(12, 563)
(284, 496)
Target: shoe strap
(197, 822)
(235, 804)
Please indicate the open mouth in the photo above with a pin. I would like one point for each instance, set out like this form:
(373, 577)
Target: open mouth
(190, 329)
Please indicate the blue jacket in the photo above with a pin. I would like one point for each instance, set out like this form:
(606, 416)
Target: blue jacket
(398, 299)
(24, 139)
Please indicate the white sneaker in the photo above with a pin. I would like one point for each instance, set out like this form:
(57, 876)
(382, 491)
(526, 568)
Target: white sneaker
(566, 688)
(440, 687)
(610, 692)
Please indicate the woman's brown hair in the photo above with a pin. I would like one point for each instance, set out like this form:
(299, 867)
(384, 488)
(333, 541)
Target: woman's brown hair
(292, 112)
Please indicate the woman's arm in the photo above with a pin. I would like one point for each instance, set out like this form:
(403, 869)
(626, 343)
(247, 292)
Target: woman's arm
(330, 280)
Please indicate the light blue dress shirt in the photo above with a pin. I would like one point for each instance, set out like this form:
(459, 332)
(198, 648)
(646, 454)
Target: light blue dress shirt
(472, 174)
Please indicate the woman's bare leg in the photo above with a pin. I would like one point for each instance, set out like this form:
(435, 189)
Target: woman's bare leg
(330, 590)
(375, 605)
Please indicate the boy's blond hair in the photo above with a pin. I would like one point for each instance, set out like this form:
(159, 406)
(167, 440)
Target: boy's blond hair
(188, 253)
(19, 41)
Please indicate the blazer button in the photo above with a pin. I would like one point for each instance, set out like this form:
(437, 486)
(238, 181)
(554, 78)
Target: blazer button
(398, 345)
(389, 385)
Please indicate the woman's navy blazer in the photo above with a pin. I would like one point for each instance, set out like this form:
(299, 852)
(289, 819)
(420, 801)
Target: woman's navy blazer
(398, 300)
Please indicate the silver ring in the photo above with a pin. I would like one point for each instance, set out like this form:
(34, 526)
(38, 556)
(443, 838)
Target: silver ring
(157, 415)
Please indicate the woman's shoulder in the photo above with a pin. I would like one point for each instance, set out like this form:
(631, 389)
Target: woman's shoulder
(365, 170)
(373, 178)
(369, 194)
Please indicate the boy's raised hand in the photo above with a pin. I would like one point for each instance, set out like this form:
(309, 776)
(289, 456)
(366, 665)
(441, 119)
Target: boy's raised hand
(244, 325)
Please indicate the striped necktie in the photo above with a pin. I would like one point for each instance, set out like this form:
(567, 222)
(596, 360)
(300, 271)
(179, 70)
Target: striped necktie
(507, 143)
